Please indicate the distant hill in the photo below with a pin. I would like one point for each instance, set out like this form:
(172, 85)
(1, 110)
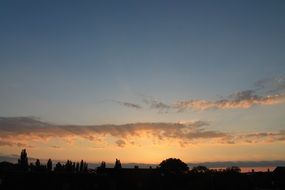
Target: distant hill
(274, 163)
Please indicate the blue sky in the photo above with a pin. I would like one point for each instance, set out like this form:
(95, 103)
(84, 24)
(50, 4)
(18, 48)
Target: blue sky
(78, 62)
(77, 54)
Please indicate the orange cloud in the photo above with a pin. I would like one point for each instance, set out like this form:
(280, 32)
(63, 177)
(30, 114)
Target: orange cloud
(241, 100)
(266, 92)
(20, 131)
(24, 129)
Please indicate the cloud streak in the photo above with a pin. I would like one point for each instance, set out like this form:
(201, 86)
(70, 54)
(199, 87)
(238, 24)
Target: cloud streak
(239, 100)
(128, 104)
(266, 92)
(9, 143)
(272, 85)
(262, 137)
(158, 105)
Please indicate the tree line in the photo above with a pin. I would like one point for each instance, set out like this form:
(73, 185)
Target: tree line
(69, 166)
(168, 166)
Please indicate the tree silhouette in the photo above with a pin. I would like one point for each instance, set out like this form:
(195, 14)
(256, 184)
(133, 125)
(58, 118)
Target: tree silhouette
(200, 169)
(83, 166)
(173, 166)
(38, 167)
(23, 161)
(103, 165)
(38, 163)
(49, 165)
(73, 165)
(58, 167)
(68, 167)
(118, 164)
(77, 167)
(233, 169)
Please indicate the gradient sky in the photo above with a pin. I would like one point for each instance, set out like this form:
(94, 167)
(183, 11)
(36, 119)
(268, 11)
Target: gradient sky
(143, 80)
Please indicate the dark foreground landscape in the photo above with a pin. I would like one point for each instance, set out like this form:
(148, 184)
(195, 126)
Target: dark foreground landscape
(170, 174)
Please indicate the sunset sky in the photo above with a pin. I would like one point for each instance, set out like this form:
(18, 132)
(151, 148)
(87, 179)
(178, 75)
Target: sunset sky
(143, 80)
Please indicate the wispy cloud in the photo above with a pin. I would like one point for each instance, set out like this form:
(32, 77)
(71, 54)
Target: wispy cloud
(265, 92)
(262, 137)
(128, 104)
(10, 143)
(156, 104)
(241, 100)
(121, 143)
(272, 85)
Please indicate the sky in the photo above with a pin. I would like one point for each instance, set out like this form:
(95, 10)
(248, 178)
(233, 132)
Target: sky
(143, 80)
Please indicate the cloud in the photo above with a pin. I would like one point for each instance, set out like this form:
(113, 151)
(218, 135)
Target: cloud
(272, 85)
(241, 100)
(55, 146)
(10, 143)
(27, 129)
(22, 131)
(262, 137)
(121, 143)
(269, 91)
(155, 104)
(128, 104)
